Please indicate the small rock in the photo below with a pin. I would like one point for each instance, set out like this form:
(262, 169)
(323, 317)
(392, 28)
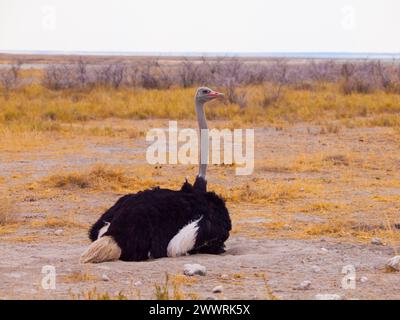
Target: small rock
(59, 232)
(193, 269)
(315, 269)
(287, 227)
(211, 298)
(138, 283)
(105, 277)
(224, 276)
(305, 285)
(217, 289)
(393, 264)
(327, 296)
(377, 241)
(325, 250)
(363, 279)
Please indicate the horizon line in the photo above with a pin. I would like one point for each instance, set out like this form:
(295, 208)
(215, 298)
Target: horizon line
(283, 54)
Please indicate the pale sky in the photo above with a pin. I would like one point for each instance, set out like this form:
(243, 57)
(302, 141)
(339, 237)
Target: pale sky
(201, 26)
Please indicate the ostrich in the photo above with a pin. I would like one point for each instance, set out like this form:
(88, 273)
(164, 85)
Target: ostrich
(159, 222)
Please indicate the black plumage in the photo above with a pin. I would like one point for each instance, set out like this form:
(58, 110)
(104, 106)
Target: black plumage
(144, 223)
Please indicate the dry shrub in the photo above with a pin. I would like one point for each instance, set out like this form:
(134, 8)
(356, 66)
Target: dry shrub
(368, 77)
(233, 95)
(10, 78)
(154, 76)
(361, 76)
(58, 77)
(188, 73)
(356, 86)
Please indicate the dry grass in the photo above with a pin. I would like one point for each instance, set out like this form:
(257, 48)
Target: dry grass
(263, 191)
(77, 277)
(8, 229)
(321, 207)
(99, 177)
(302, 163)
(7, 211)
(33, 115)
(16, 140)
(268, 291)
(94, 294)
(35, 108)
(171, 288)
(57, 222)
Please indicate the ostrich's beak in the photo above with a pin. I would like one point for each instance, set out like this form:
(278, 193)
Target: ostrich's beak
(215, 94)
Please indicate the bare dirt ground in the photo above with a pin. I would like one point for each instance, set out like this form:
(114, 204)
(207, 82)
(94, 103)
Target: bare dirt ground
(312, 206)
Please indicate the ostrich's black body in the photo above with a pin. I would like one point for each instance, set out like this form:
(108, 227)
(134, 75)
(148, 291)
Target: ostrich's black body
(143, 224)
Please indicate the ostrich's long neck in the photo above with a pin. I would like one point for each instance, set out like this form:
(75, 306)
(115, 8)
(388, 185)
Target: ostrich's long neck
(203, 154)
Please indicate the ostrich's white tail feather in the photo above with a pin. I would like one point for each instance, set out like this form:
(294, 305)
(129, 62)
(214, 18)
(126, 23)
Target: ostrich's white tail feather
(184, 240)
(101, 250)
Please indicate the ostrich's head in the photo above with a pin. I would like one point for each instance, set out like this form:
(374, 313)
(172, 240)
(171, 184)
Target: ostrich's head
(204, 94)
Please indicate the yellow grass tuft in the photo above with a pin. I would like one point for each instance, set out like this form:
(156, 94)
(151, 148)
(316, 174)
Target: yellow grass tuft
(77, 277)
(100, 177)
(7, 211)
(7, 229)
(269, 293)
(94, 294)
(321, 207)
(171, 288)
(57, 222)
(262, 191)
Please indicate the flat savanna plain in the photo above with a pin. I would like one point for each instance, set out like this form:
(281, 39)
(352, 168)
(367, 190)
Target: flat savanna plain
(326, 182)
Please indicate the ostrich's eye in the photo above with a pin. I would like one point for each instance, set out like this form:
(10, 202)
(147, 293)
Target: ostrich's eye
(206, 91)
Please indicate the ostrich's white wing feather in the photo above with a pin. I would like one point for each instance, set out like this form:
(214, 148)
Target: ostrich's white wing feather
(184, 240)
(103, 230)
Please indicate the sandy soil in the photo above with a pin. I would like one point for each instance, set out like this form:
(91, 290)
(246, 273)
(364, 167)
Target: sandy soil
(285, 262)
(268, 262)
